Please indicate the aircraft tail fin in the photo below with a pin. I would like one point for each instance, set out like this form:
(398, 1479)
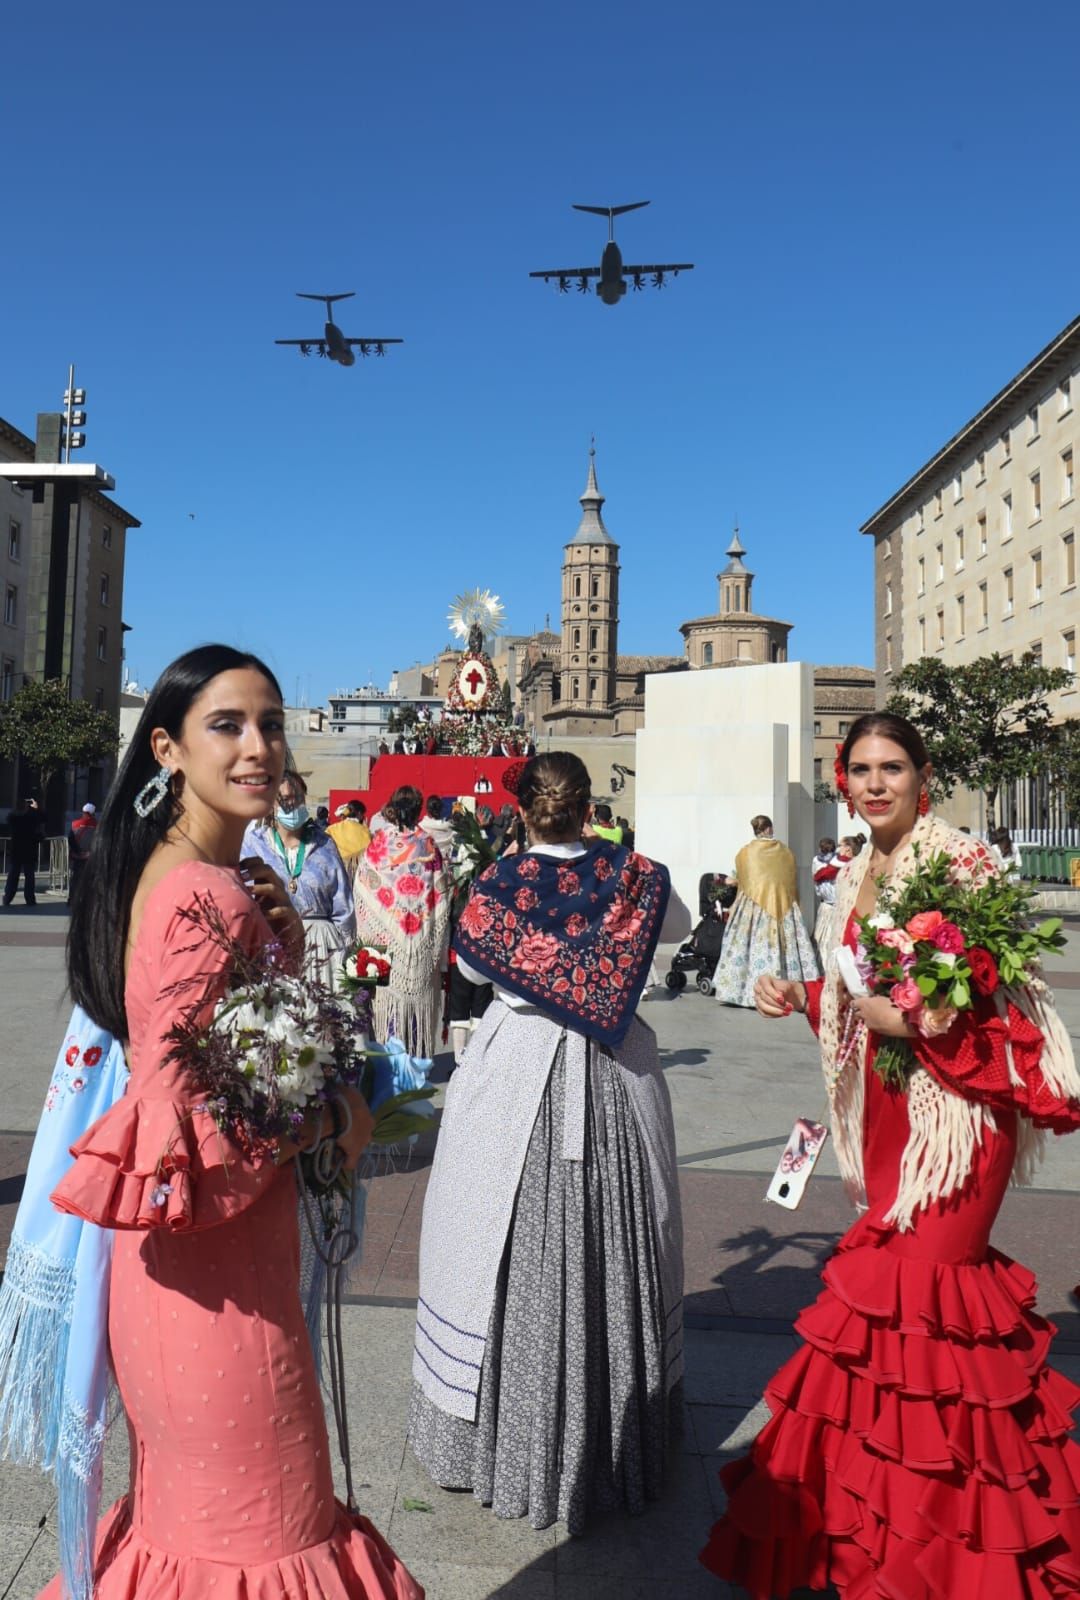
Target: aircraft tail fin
(612, 211)
(326, 298)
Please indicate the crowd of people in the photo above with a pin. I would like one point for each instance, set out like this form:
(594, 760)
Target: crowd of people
(918, 1439)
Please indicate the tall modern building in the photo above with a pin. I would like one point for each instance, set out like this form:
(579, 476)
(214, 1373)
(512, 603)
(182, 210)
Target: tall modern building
(62, 576)
(976, 552)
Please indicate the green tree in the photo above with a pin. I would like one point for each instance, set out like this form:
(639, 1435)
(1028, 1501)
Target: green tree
(986, 723)
(43, 726)
(507, 700)
(1065, 765)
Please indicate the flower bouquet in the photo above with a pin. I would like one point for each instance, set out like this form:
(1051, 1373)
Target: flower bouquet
(946, 936)
(366, 966)
(278, 1046)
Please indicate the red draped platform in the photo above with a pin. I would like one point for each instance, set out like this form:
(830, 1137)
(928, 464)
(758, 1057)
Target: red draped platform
(448, 776)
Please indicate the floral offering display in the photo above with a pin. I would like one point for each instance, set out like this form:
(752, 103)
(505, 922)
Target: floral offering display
(952, 934)
(277, 1046)
(366, 966)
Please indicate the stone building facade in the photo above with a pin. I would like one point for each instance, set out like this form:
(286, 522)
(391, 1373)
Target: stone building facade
(976, 552)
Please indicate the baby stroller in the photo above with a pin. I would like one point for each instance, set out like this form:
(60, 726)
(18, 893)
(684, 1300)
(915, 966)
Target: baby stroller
(699, 954)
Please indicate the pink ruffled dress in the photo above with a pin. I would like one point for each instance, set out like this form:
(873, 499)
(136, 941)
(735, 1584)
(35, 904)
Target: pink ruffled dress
(232, 1495)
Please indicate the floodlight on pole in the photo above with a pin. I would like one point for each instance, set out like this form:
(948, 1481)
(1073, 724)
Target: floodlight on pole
(74, 419)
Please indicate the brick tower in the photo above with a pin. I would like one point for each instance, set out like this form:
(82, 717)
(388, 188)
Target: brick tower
(590, 609)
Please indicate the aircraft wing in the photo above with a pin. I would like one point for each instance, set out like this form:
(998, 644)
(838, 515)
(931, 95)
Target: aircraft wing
(646, 271)
(368, 344)
(306, 345)
(567, 272)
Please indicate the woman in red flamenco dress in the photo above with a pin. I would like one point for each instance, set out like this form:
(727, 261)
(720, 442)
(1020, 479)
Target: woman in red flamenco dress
(919, 1442)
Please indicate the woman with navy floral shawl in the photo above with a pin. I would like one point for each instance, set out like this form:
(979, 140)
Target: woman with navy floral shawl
(549, 1322)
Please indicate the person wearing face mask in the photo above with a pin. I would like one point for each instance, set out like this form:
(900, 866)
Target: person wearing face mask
(309, 864)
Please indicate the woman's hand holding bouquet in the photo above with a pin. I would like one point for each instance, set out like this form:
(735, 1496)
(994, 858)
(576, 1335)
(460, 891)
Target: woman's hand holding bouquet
(947, 936)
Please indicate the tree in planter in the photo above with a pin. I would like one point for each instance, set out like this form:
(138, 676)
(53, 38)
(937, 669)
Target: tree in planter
(986, 723)
(42, 726)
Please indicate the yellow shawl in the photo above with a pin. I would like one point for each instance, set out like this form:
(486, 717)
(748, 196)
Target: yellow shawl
(765, 870)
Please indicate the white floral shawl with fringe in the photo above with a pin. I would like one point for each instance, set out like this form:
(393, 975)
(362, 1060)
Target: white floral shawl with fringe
(402, 904)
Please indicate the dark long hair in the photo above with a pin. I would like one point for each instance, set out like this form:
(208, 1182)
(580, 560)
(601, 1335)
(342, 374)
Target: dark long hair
(887, 726)
(124, 841)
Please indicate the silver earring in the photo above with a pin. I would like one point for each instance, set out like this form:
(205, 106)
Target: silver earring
(151, 796)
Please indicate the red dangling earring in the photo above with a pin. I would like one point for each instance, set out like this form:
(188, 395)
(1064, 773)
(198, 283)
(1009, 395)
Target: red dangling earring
(924, 802)
(850, 806)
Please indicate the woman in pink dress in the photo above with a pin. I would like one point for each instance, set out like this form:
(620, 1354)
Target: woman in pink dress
(919, 1441)
(231, 1495)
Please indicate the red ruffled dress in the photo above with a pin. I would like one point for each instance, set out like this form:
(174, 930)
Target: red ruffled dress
(918, 1446)
(232, 1495)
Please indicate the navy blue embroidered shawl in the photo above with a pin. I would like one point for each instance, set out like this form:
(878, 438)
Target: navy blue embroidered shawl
(573, 937)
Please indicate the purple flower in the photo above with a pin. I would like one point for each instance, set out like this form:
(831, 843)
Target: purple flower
(158, 1193)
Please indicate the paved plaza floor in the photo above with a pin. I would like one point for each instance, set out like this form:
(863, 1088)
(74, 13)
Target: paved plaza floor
(736, 1085)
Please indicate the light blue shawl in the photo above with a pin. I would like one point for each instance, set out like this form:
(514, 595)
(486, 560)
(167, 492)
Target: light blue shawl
(54, 1306)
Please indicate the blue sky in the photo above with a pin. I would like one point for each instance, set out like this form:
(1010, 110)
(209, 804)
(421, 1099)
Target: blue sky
(880, 206)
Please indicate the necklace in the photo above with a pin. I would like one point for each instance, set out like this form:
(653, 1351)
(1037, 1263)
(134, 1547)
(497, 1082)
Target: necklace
(293, 868)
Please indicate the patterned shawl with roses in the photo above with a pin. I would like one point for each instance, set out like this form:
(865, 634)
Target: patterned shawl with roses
(402, 904)
(572, 937)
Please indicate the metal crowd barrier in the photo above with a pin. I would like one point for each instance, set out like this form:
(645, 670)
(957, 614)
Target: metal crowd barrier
(52, 864)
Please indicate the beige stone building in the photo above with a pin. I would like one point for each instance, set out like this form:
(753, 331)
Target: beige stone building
(976, 552)
(735, 635)
(841, 696)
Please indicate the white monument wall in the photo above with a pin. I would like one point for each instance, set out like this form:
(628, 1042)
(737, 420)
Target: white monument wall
(718, 747)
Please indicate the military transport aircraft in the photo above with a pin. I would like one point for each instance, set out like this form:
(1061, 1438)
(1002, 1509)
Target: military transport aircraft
(334, 343)
(612, 284)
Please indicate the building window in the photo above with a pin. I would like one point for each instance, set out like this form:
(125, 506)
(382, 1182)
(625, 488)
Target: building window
(11, 605)
(746, 650)
(937, 503)
(957, 488)
(592, 686)
(817, 730)
(1068, 640)
(1064, 397)
(1033, 422)
(1036, 577)
(817, 769)
(961, 616)
(1006, 446)
(106, 537)
(1066, 475)
(1034, 655)
(594, 634)
(577, 587)
(1007, 575)
(595, 590)
(1036, 496)
(99, 699)
(102, 644)
(984, 606)
(104, 588)
(922, 519)
(886, 546)
(843, 728)
(980, 527)
(577, 638)
(7, 678)
(940, 627)
(980, 467)
(959, 548)
(940, 553)
(888, 599)
(1006, 517)
(1068, 550)
(921, 572)
(888, 652)
(575, 688)
(706, 656)
(922, 636)
(14, 540)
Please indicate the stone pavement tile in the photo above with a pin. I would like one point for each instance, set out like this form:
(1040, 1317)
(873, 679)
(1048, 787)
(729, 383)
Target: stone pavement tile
(665, 1538)
(730, 1369)
(658, 1585)
(725, 1431)
(28, 1564)
(463, 1532)
(444, 1580)
(26, 1495)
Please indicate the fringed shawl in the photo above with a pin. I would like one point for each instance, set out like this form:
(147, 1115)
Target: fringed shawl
(402, 904)
(946, 1128)
(574, 937)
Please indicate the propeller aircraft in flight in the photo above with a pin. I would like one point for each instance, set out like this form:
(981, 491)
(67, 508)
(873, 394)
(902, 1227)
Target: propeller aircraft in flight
(612, 282)
(333, 343)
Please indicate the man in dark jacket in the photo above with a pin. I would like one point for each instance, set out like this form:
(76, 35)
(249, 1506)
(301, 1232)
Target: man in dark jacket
(27, 831)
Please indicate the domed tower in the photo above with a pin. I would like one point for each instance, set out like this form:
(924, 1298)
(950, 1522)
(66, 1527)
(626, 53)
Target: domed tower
(736, 581)
(590, 608)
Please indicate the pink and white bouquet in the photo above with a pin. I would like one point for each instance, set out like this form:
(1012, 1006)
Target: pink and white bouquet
(949, 934)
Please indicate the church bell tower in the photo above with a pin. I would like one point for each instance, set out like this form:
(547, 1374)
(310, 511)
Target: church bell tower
(590, 609)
